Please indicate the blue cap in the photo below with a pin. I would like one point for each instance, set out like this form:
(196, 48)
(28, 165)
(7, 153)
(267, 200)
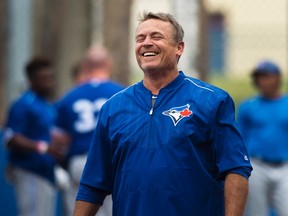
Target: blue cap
(266, 67)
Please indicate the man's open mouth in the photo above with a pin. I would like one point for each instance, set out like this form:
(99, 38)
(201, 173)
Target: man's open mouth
(145, 54)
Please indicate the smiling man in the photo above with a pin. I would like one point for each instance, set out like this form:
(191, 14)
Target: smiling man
(167, 145)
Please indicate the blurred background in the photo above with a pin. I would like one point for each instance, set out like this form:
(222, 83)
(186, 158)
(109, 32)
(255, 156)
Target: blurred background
(224, 40)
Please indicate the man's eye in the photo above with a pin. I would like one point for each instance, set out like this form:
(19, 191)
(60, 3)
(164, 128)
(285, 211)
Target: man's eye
(140, 39)
(157, 37)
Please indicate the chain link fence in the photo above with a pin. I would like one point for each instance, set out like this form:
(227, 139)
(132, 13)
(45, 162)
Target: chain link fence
(242, 33)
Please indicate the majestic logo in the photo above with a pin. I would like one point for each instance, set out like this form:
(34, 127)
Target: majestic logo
(178, 113)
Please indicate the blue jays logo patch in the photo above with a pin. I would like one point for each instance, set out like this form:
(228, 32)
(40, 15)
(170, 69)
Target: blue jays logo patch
(178, 113)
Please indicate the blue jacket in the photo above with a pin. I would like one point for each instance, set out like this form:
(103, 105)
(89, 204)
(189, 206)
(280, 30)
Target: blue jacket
(170, 160)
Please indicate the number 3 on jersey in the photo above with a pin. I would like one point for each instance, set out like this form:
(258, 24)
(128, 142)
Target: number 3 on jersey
(86, 111)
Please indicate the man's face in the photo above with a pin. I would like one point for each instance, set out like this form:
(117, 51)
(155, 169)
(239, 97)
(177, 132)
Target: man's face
(267, 83)
(155, 48)
(43, 82)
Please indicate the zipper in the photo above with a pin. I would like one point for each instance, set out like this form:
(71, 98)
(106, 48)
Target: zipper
(151, 144)
(153, 100)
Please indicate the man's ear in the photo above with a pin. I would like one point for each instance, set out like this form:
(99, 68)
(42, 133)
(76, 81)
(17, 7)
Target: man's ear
(180, 48)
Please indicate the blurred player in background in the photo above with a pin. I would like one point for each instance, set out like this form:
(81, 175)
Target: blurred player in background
(77, 74)
(27, 135)
(263, 121)
(78, 115)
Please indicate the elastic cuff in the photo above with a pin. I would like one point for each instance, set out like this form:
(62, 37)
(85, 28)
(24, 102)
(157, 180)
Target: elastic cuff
(243, 171)
(42, 147)
(90, 194)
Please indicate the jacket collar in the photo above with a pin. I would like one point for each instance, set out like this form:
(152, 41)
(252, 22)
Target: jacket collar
(172, 85)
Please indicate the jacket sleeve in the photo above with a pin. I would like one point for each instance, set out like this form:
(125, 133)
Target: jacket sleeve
(96, 181)
(230, 150)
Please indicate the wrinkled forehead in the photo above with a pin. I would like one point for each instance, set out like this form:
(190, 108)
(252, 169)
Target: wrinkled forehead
(154, 25)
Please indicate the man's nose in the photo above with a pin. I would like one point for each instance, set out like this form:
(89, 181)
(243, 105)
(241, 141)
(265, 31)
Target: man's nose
(147, 41)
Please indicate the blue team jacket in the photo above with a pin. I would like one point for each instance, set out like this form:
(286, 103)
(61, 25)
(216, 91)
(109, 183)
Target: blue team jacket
(170, 160)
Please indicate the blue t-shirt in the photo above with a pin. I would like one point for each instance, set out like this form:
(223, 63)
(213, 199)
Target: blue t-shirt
(264, 126)
(167, 160)
(78, 112)
(33, 117)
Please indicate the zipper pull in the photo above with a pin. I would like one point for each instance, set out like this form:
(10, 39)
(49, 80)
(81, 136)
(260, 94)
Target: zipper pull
(153, 99)
(151, 111)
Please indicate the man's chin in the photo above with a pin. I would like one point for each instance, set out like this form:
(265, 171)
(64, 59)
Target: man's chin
(149, 67)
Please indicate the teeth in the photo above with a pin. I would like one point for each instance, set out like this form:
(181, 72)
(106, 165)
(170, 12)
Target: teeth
(149, 54)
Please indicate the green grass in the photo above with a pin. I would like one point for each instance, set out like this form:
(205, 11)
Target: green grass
(239, 89)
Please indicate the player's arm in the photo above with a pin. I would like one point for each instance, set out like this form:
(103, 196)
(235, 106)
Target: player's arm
(16, 141)
(236, 191)
(83, 208)
(232, 158)
(19, 142)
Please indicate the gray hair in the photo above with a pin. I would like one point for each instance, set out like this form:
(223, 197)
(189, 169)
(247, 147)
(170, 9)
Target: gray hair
(177, 28)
